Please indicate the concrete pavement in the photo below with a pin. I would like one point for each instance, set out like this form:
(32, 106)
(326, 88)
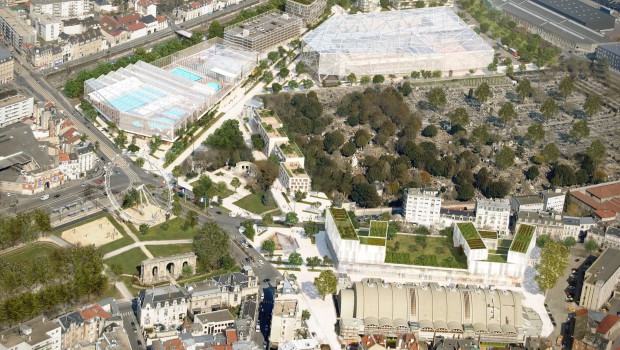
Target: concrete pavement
(122, 288)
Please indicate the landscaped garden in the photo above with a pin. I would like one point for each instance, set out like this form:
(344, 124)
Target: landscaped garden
(28, 252)
(171, 229)
(129, 260)
(471, 235)
(522, 238)
(378, 229)
(425, 251)
(254, 204)
(343, 223)
(169, 249)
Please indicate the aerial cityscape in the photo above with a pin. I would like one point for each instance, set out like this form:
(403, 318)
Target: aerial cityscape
(310, 175)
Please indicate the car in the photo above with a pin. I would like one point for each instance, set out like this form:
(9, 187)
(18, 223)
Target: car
(266, 280)
(83, 184)
(133, 326)
(247, 259)
(103, 158)
(553, 323)
(571, 287)
(57, 195)
(8, 194)
(568, 300)
(577, 260)
(218, 212)
(139, 342)
(45, 197)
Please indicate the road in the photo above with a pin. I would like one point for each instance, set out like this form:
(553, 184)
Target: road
(127, 311)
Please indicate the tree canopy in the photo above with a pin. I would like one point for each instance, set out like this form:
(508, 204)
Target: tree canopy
(211, 246)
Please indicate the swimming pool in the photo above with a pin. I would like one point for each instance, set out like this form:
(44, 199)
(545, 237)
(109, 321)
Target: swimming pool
(186, 74)
(136, 98)
(215, 86)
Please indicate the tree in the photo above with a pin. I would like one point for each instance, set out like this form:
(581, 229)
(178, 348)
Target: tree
(430, 131)
(248, 229)
(553, 262)
(569, 241)
(235, 182)
(566, 87)
(139, 162)
(406, 88)
(420, 4)
(562, 175)
(365, 80)
(580, 129)
(352, 78)
(187, 271)
(415, 75)
(384, 3)
(266, 173)
(293, 84)
(307, 83)
(284, 72)
(507, 112)
(267, 77)
(300, 196)
(176, 209)
(524, 89)
(548, 108)
(275, 88)
(459, 116)
(348, 149)
(191, 219)
(591, 245)
(542, 240)
(291, 219)
(295, 259)
(268, 246)
(505, 158)
(215, 30)
(305, 315)
(144, 229)
(551, 152)
(267, 219)
(154, 143)
(532, 173)
(480, 134)
(378, 79)
(365, 195)
(121, 139)
(535, 133)
(116, 269)
(273, 56)
(597, 150)
(211, 245)
(313, 261)
(483, 92)
(437, 97)
(310, 229)
(300, 68)
(332, 141)
(227, 137)
(592, 105)
(326, 283)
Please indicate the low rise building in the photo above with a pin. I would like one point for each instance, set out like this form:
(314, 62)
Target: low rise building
(285, 321)
(422, 206)
(592, 331)
(6, 66)
(532, 203)
(600, 280)
(612, 238)
(48, 28)
(554, 201)
(146, 7)
(448, 217)
(113, 32)
(104, 6)
(264, 31)
(36, 334)
(195, 9)
(493, 214)
(75, 26)
(222, 291)
(215, 322)
(60, 9)
(15, 30)
(546, 223)
(165, 305)
(14, 106)
(294, 178)
(82, 327)
(46, 56)
(603, 200)
(610, 52)
(308, 10)
(577, 227)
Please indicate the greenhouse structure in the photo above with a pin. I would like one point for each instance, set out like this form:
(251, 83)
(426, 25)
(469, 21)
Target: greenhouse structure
(394, 42)
(162, 98)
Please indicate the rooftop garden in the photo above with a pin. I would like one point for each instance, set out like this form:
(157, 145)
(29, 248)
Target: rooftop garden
(265, 113)
(500, 258)
(378, 229)
(522, 238)
(343, 223)
(425, 251)
(380, 242)
(291, 148)
(471, 235)
(304, 2)
(488, 234)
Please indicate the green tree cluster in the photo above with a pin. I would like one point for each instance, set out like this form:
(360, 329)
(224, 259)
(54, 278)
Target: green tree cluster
(211, 246)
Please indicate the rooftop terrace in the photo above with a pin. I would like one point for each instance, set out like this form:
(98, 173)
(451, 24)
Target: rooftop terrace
(488, 234)
(294, 169)
(290, 149)
(522, 238)
(343, 223)
(471, 235)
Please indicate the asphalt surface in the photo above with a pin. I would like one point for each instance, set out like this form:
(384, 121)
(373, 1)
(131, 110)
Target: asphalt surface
(126, 309)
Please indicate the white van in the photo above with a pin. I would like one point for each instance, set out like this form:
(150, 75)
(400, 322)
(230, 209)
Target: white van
(45, 197)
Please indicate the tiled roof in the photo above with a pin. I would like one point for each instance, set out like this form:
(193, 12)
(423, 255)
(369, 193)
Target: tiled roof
(94, 311)
(231, 336)
(605, 191)
(128, 19)
(136, 26)
(606, 324)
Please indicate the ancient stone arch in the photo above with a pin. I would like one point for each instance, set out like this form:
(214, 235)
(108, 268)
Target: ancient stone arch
(158, 269)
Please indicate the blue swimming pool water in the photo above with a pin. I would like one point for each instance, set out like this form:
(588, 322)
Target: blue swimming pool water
(186, 74)
(216, 86)
(136, 98)
(137, 124)
(157, 126)
(174, 113)
(163, 120)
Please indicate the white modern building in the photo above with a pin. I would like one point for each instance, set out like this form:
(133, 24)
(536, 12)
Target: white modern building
(600, 280)
(285, 320)
(532, 203)
(576, 226)
(14, 106)
(36, 334)
(215, 322)
(554, 201)
(422, 206)
(308, 10)
(493, 214)
(48, 28)
(394, 42)
(165, 305)
(60, 9)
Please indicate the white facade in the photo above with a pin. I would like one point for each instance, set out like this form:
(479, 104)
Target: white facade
(493, 214)
(285, 320)
(554, 201)
(531, 203)
(138, 33)
(600, 280)
(574, 226)
(60, 9)
(47, 27)
(162, 305)
(15, 107)
(422, 206)
(36, 334)
(215, 322)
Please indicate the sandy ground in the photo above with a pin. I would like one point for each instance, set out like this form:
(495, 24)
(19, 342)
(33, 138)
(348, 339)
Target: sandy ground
(148, 212)
(98, 232)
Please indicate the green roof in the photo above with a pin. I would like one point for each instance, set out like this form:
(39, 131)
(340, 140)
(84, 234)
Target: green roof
(343, 223)
(373, 241)
(291, 148)
(488, 234)
(378, 228)
(471, 235)
(523, 238)
(265, 113)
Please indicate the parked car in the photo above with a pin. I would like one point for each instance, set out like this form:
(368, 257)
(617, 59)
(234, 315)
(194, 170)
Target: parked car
(571, 287)
(45, 197)
(57, 195)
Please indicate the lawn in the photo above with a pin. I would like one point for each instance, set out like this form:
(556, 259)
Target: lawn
(175, 231)
(404, 249)
(112, 246)
(169, 249)
(28, 252)
(129, 260)
(253, 203)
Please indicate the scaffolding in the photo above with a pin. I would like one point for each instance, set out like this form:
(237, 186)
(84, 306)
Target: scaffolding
(395, 42)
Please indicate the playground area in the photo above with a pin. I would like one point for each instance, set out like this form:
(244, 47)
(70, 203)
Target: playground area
(98, 233)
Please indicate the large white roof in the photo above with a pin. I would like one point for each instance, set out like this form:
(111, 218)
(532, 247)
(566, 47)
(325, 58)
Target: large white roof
(434, 30)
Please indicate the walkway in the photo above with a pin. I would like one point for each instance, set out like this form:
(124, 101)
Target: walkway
(143, 245)
(124, 291)
(136, 241)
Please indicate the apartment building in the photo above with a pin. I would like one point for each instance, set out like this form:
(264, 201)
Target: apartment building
(546, 223)
(308, 10)
(15, 31)
(83, 44)
(113, 31)
(195, 9)
(14, 105)
(6, 66)
(146, 7)
(600, 280)
(36, 334)
(45, 56)
(214, 322)
(60, 9)
(493, 214)
(165, 305)
(367, 5)
(422, 206)
(554, 201)
(48, 28)
(264, 31)
(285, 321)
(610, 52)
(577, 226)
(83, 326)
(527, 203)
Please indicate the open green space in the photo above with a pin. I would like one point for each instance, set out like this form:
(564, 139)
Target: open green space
(497, 257)
(176, 230)
(129, 260)
(372, 241)
(28, 252)
(253, 203)
(378, 228)
(471, 235)
(117, 244)
(436, 251)
(169, 249)
(522, 238)
(343, 223)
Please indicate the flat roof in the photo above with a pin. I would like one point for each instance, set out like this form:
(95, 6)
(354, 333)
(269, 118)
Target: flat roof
(580, 11)
(529, 199)
(612, 48)
(522, 239)
(295, 169)
(259, 26)
(471, 235)
(5, 54)
(343, 223)
(604, 267)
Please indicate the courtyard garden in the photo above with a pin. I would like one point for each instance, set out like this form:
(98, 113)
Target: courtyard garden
(425, 251)
(254, 204)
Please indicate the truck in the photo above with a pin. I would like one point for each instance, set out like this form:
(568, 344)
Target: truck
(513, 51)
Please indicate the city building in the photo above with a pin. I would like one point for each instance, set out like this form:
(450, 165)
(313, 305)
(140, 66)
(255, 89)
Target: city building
(195, 9)
(367, 6)
(222, 291)
(82, 327)
(447, 217)
(148, 100)
(527, 203)
(397, 341)
(308, 10)
(83, 44)
(600, 280)
(45, 56)
(554, 201)
(215, 322)
(612, 238)
(104, 6)
(294, 178)
(165, 305)
(577, 227)
(611, 53)
(48, 28)
(115, 338)
(394, 42)
(422, 206)
(146, 7)
(603, 200)
(299, 344)
(594, 331)
(546, 223)
(580, 12)
(264, 31)
(493, 214)
(74, 26)
(113, 32)
(285, 321)
(60, 9)
(36, 334)
(430, 310)
(6, 66)
(14, 105)
(14, 29)
(403, 4)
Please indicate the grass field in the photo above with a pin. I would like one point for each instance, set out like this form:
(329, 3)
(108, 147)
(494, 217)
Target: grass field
(254, 204)
(170, 249)
(405, 249)
(28, 252)
(174, 231)
(129, 260)
(112, 246)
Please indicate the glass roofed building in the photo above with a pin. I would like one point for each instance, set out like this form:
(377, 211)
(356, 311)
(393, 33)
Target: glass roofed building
(394, 42)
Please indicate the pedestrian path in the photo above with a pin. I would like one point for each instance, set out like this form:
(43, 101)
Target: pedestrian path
(143, 245)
